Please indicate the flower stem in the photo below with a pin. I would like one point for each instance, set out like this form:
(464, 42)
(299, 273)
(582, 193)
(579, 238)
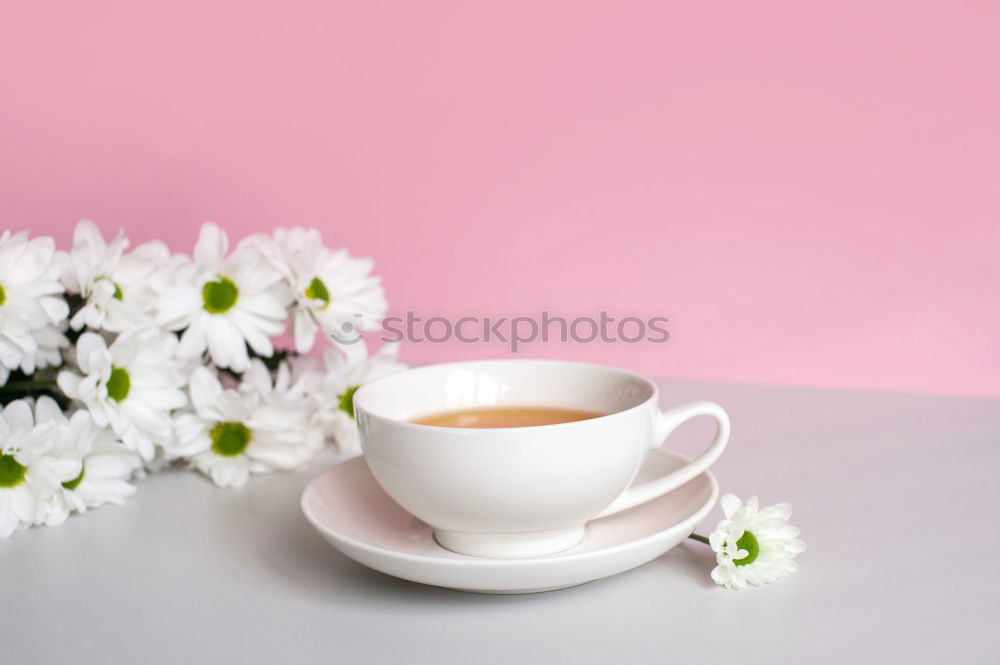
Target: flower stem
(27, 386)
(700, 539)
(42, 382)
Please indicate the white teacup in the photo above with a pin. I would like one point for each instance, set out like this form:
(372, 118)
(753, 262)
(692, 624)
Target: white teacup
(520, 491)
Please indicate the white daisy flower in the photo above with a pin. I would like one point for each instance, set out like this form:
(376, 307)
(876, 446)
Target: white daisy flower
(27, 473)
(31, 301)
(280, 390)
(754, 545)
(224, 302)
(50, 343)
(113, 284)
(333, 386)
(277, 386)
(106, 464)
(334, 292)
(231, 434)
(133, 385)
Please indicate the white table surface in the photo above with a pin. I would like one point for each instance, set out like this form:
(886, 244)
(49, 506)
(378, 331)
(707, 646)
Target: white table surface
(896, 495)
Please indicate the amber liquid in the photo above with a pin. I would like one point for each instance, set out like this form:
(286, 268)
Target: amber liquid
(519, 416)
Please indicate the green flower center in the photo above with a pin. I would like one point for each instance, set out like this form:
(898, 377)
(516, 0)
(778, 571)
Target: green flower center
(11, 471)
(219, 296)
(747, 542)
(3, 295)
(230, 439)
(118, 384)
(317, 291)
(118, 289)
(73, 484)
(347, 400)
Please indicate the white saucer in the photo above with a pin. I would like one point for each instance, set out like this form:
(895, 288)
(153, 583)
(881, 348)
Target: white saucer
(356, 516)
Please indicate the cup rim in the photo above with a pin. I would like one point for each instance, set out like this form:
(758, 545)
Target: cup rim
(653, 396)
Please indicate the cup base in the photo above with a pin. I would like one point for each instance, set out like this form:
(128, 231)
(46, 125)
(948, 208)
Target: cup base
(510, 545)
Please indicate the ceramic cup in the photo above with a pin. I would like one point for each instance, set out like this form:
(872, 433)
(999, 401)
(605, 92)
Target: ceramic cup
(520, 491)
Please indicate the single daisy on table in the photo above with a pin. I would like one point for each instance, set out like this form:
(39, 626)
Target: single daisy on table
(31, 302)
(754, 545)
(114, 285)
(223, 302)
(131, 386)
(334, 292)
(28, 475)
(333, 383)
(230, 434)
(106, 465)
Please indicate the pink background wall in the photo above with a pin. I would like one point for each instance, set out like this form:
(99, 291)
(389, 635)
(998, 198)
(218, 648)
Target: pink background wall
(810, 194)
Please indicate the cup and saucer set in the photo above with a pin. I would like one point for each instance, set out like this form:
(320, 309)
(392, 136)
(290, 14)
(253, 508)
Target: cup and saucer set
(514, 476)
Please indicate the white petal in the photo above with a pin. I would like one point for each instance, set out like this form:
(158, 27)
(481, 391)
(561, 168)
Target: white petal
(18, 416)
(90, 352)
(205, 388)
(110, 465)
(212, 244)
(231, 472)
(731, 505)
(305, 330)
(193, 342)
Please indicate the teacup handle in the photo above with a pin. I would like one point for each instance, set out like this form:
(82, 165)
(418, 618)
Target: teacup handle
(667, 422)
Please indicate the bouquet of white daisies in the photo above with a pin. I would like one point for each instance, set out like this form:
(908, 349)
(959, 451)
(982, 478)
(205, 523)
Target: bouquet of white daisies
(114, 363)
